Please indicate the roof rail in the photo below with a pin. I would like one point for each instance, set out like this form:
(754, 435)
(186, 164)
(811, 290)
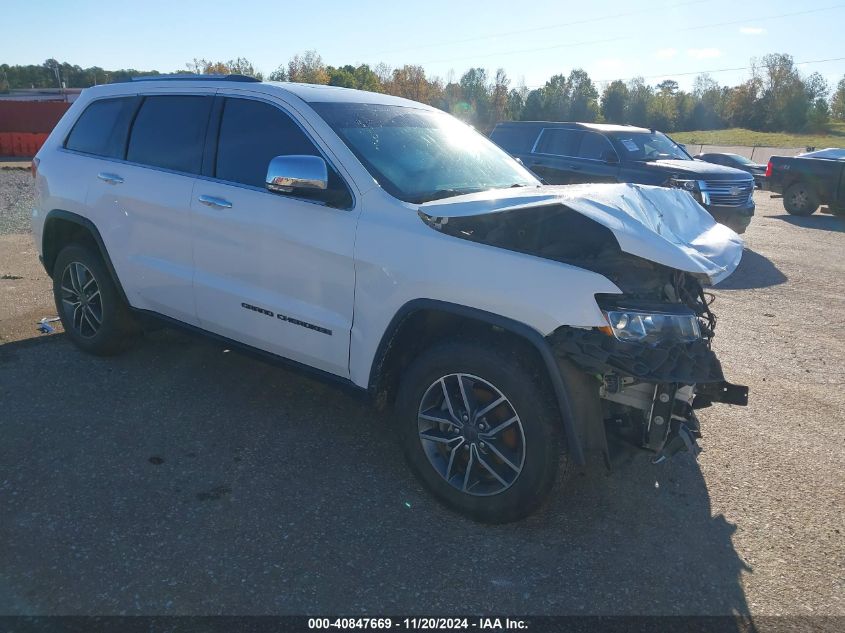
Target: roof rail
(192, 77)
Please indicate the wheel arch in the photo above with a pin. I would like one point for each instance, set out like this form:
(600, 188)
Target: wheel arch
(65, 227)
(421, 322)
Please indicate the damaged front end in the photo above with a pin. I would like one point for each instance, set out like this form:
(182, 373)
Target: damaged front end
(641, 375)
(650, 368)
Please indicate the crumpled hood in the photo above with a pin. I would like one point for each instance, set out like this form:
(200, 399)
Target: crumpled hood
(663, 225)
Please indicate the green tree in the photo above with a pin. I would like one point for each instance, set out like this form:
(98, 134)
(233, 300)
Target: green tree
(639, 96)
(583, 96)
(499, 97)
(476, 93)
(239, 66)
(516, 102)
(556, 99)
(411, 82)
(743, 105)
(707, 111)
(784, 99)
(662, 111)
(280, 74)
(307, 68)
(535, 106)
(614, 102)
(837, 103)
(343, 77)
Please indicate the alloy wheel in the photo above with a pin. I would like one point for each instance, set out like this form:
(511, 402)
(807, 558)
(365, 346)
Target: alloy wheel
(82, 300)
(471, 434)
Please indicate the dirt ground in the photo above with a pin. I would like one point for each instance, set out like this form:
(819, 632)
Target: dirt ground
(181, 478)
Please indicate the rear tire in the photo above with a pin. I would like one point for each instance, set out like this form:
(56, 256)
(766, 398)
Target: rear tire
(92, 311)
(800, 199)
(492, 464)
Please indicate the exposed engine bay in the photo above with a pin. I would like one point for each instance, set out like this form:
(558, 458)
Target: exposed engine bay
(652, 366)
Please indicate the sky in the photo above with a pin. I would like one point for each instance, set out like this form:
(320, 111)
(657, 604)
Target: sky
(610, 39)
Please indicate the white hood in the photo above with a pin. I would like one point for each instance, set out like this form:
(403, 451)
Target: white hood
(662, 225)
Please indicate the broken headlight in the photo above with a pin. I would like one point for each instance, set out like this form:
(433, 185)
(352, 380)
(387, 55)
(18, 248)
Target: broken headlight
(635, 326)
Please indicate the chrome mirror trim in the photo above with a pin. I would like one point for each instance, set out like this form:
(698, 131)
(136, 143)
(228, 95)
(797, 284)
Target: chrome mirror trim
(286, 174)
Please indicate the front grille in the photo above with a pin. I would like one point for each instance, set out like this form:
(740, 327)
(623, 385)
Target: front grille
(729, 193)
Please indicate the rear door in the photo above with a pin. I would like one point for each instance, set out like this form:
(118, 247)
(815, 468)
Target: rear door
(275, 271)
(142, 202)
(554, 157)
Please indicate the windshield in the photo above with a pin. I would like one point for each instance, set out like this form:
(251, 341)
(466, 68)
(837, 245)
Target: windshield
(418, 155)
(648, 146)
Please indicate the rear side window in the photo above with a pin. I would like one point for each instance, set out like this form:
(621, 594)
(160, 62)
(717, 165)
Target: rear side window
(169, 132)
(594, 146)
(102, 128)
(252, 133)
(559, 142)
(514, 139)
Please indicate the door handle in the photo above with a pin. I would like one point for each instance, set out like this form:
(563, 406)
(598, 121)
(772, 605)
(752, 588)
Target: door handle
(112, 179)
(217, 203)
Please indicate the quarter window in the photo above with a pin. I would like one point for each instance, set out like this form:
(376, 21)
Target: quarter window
(169, 132)
(102, 128)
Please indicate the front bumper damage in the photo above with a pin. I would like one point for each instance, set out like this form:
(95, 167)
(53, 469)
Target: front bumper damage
(642, 395)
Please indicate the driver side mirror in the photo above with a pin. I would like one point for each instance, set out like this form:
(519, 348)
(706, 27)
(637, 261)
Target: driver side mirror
(610, 157)
(287, 174)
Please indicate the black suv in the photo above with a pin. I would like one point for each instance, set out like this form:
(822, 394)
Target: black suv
(569, 153)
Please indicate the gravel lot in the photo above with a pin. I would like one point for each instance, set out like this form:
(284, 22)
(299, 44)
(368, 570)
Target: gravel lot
(16, 197)
(180, 478)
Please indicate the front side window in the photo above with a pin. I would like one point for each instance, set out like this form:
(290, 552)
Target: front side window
(595, 147)
(102, 128)
(419, 155)
(169, 132)
(648, 146)
(252, 133)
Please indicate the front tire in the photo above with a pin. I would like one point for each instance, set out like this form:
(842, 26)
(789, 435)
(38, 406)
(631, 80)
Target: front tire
(480, 430)
(93, 314)
(799, 199)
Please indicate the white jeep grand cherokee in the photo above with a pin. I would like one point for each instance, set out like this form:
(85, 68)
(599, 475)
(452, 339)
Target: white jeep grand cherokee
(383, 244)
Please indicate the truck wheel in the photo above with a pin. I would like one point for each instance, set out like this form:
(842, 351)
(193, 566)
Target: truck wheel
(93, 314)
(799, 199)
(479, 430)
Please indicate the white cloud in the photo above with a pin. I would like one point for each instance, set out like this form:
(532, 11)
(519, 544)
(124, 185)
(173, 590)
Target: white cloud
(666, 53)
(752, 30)
(704, 53)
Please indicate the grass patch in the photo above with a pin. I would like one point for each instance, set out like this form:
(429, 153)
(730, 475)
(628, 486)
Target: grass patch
(749, 138)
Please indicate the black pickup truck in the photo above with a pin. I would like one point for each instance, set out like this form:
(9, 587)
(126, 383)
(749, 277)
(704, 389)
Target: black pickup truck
(808, 181)
(569, 153)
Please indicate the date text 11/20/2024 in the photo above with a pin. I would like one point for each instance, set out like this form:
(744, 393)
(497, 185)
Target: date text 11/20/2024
(430, 624)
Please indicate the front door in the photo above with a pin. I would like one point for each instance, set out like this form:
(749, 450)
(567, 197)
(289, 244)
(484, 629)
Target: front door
(274, 271)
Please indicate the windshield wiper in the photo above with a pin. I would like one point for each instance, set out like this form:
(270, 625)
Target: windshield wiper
(439, 194)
